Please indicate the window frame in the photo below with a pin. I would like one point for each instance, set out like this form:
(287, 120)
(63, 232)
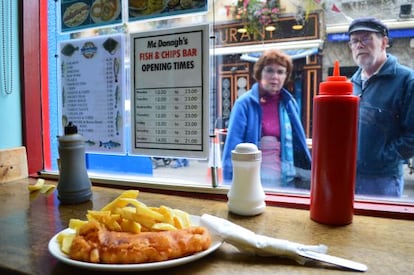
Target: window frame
(34, 78)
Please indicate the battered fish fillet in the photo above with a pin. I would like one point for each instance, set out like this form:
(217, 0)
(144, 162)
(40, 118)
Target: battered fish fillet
(96, 244)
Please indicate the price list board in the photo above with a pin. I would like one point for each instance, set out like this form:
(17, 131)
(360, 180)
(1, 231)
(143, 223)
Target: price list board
(169, 92)
(92, 83)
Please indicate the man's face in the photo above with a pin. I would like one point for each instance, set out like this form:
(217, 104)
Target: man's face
(367, 47)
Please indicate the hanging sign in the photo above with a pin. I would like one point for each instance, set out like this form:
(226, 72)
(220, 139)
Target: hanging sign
(228, 36)
(169, 92)
(92, 90)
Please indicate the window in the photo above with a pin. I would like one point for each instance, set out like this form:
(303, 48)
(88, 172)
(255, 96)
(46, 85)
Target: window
(231, 77)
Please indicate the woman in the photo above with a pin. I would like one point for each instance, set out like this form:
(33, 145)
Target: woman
(267, 116)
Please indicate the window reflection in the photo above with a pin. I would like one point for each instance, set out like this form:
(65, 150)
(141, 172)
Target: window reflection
(233, 73)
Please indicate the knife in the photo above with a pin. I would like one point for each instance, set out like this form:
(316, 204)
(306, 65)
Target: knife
(332, 260)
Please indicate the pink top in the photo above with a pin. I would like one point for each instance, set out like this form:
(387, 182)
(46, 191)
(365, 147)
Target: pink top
(270, 115)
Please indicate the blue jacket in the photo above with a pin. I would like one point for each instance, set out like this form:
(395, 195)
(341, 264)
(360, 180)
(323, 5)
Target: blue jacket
(386, 120)
(245, 126)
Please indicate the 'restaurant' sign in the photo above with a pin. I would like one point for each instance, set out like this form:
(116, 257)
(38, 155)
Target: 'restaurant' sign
(228, 36)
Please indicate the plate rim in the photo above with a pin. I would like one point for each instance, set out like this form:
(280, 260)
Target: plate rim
(54, 250)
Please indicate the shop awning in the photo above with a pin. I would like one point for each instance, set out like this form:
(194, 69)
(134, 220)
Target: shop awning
(294, 54)
(284, 46)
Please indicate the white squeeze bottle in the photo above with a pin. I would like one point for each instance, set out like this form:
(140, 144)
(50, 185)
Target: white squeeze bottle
(246, 196)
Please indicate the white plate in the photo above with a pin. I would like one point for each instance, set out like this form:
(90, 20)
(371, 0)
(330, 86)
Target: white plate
(98, 19)
(54, 249)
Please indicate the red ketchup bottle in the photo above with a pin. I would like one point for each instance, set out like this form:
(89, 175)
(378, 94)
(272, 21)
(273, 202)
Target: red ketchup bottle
(334, 151)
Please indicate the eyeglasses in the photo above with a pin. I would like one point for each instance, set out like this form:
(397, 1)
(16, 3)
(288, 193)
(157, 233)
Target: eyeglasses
(270, 70)
(365, 41)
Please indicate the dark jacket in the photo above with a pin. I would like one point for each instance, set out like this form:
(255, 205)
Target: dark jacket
(386, 120)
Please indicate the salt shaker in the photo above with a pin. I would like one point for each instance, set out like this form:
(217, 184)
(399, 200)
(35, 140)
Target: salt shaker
(246, 196)
(74, 185)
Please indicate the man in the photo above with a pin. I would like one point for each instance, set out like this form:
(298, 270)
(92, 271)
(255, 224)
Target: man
(386, 112)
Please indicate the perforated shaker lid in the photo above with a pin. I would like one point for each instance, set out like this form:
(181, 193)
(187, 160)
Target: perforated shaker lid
(246, 152)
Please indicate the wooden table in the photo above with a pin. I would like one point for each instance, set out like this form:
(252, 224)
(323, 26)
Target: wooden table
(29, 221)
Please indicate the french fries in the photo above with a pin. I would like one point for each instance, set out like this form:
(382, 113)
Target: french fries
(117, 203)
(41, 186)
(127, 214)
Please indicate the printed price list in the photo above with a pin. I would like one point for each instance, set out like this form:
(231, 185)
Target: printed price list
(91, 91)
(92, 116)
(168, 116)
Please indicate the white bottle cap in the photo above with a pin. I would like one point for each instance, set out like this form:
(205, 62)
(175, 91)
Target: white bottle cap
(246, 152)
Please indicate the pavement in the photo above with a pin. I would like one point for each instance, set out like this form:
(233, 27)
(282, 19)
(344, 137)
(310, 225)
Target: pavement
(198, 172)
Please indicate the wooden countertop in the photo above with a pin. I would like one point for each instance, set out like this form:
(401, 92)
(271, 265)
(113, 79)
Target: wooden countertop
(29, 221)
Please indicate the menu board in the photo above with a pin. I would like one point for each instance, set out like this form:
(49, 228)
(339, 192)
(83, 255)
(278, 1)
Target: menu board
(92, 84)
(150, 9)
(80, 14)
(169, 92)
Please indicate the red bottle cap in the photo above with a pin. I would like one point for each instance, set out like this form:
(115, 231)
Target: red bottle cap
(336, 84)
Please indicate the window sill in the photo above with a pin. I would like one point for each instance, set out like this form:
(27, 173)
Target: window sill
(362, 206)
(376, 208)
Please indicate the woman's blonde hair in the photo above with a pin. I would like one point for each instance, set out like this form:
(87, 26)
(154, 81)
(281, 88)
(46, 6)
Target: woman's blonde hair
(271, 57)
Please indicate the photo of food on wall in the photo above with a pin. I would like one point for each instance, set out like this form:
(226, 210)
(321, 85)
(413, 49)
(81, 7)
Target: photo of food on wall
(143, 9)
(82, 14)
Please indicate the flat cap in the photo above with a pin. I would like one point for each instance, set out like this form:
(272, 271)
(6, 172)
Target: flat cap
(370, 24)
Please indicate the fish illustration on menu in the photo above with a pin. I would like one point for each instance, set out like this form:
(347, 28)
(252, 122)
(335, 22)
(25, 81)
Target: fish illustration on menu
(117, 96)
(90, 142)
(116, 68)
(118, 122)
(111, 46)
(69, 49)
(109, 144)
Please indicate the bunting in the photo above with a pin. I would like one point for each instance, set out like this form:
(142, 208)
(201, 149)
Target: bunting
(335, 8)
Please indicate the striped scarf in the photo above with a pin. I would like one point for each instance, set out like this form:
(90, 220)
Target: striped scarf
(286, 141)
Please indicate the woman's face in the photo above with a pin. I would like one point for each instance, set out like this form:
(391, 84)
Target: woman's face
(273, 78)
